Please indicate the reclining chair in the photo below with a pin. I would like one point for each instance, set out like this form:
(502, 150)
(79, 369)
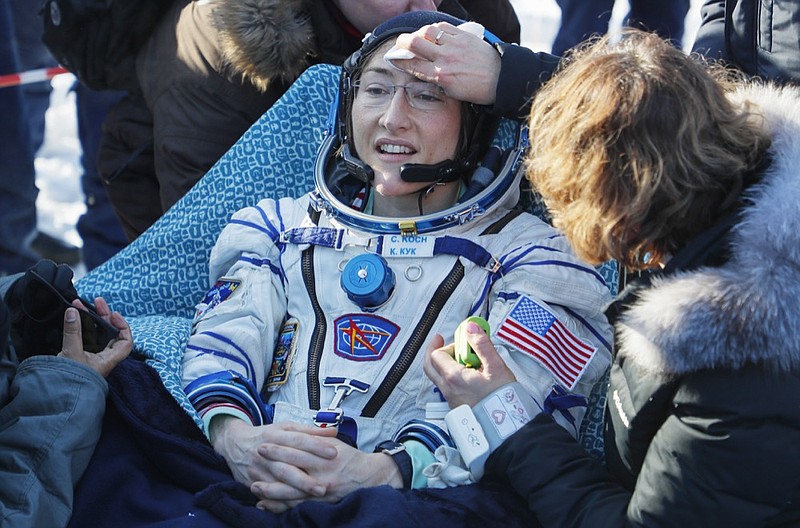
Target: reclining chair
(156, 280)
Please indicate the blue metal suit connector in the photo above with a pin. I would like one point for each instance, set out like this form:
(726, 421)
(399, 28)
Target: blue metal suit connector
(368, 281)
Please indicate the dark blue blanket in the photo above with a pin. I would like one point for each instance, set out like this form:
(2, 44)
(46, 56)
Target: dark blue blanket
(153, 467)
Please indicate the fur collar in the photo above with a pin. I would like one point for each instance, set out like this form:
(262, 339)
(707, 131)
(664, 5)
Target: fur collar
(266, 39)
(262, 40)
(748, 310)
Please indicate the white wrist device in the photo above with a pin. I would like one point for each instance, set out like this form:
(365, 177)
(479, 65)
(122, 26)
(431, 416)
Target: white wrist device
(480, 430)
(468, 436)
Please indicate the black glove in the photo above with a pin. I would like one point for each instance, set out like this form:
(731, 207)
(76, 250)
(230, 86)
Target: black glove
(37, 304)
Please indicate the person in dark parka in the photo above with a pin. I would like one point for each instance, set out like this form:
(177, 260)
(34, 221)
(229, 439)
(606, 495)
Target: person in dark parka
(210, 69)
(761, 38)
(643, 156)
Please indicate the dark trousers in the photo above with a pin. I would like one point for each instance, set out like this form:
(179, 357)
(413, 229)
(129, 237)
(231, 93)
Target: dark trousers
(127, 167)
(580, 19)
(17, 172)
(99, 227)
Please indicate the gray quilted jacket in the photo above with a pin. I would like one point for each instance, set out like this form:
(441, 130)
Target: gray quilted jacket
(50, 419)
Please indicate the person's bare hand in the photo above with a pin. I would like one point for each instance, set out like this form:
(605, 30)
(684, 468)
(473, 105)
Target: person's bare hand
(465, 66)
(350, 470)
(240, 444)
(459, 384)
(108, 358)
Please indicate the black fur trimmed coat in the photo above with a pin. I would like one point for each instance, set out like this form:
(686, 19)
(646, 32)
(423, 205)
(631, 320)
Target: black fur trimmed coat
(208, 71)
(703, 410)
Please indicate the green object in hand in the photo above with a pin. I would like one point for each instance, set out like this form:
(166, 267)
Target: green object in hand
(464, 353)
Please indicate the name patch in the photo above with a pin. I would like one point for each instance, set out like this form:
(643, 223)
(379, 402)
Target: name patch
(408, 246)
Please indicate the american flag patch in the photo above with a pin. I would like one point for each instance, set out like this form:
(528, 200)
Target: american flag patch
(532, 328)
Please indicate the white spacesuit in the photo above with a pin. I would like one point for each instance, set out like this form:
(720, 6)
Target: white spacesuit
(326, 310)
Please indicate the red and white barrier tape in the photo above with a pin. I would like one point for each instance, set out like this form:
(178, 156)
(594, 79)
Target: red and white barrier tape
(31, 76)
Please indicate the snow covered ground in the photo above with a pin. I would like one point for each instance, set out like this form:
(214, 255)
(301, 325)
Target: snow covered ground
(58, 170)
(60, 201)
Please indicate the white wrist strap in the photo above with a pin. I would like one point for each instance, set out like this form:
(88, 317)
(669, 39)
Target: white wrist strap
(504, 412)
(480, 430)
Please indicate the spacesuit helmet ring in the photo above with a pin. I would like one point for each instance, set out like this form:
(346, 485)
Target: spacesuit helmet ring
(340, 173)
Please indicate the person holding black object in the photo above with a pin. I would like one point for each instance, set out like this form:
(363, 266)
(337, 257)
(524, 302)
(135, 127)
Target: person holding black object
(52, 397)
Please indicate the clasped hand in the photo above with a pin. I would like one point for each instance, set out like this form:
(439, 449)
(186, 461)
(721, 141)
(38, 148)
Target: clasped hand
(287, 463)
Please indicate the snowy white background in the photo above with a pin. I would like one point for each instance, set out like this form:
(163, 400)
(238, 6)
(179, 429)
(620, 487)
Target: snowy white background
(60, 200)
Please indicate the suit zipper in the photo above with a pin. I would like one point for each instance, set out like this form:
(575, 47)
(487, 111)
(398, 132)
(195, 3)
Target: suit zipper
(413, 345)
(318, 335)
(417, 340)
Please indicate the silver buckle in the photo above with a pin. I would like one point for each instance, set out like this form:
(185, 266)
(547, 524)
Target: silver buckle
(333, 414)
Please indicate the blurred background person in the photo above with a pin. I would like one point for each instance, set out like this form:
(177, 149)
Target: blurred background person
(761, 38)
(25, 107)
(581, 19)
(98, 227)
(22, 133)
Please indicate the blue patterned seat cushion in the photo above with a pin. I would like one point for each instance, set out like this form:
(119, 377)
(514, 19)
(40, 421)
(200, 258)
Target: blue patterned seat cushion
(156, 281)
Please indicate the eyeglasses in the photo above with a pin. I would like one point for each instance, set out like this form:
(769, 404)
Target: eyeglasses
(424, 96)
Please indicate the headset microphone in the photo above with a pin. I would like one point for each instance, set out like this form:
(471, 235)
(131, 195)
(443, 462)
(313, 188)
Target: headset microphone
(445, 171)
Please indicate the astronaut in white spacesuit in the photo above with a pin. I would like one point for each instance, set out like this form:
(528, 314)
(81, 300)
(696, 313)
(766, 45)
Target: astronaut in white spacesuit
(321, 307)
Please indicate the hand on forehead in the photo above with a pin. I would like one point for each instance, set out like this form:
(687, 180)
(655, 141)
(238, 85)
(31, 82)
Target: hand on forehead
(463, 64)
